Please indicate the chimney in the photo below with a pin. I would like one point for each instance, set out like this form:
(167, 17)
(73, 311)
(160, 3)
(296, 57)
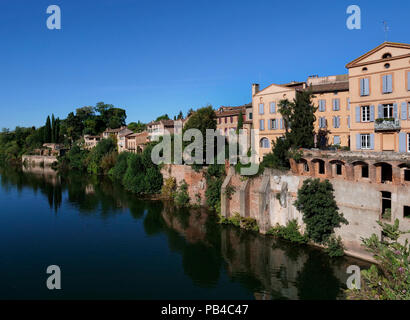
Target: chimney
(255, 88)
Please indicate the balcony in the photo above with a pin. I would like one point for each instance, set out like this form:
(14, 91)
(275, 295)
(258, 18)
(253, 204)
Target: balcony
(388, 124)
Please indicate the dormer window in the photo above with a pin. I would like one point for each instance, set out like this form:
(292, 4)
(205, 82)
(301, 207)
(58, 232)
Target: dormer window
(364, 69)
(386, 56)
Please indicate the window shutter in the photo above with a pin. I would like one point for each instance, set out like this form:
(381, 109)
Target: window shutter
(384, 84)
(334, 122)
(372, 113)
(281, 123)
(395, 111)
(358, 142)
(408, 80)
(348, 103)
(261, 124)
(380, 111)
(261, 108)
(371, 141)
(269, 124)
(402, 142)
(272, 107)
(362, 87)
(334, 104)
(348, 122)
(404, 111)
(389, 83)
(366, 86)
(338, 121)
(357, 114)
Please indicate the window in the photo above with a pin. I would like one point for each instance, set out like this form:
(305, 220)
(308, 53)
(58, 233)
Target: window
(219, 120)
(348, 103)
(261, 108)
(250, 115)
(336, 140)
(387, 111)
(338, 169)
(365, 113)
(264, 143)
(336, 104)
(386, 205)
(387, 83)
(387, 65)
(272, 107)
(365, 171)
(364, 87)
(386, 56)
(406, 174)
(364, 69)
(231, 119)
(261, 124)
(365, 141)
(273, 124)
(408, 142)
(306, 167)
(336, 122)
(322, 105)
(322, 122)
(406, 212)
(321, 167)
(225, 120)
(408, 80)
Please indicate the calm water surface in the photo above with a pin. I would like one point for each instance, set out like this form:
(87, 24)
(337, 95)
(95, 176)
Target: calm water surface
(110, 245)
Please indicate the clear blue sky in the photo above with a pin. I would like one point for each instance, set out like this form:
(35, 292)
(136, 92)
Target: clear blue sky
(156, 57)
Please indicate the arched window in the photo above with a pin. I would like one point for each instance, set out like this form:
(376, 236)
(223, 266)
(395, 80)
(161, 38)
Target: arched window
(386, 56)
(264, 143)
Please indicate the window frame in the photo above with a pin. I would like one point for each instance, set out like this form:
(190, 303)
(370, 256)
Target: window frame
(365, 137)
(362, 113)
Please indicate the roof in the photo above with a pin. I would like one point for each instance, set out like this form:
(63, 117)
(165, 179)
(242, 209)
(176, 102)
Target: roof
(166, 123)
(383, 45)
(330, 87)
(225, 111)
(109, 130)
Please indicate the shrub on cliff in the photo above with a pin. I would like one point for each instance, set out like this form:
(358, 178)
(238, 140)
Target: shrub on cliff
(391, 279)
(289, 232)
(181, 196)
(320, 211)
(215, 176)
(169, 188)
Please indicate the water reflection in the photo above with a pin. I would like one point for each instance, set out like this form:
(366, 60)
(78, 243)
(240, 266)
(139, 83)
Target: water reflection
(266, 268)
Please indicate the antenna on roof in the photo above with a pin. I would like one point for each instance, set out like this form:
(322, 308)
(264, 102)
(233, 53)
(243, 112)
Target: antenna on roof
(386, 29)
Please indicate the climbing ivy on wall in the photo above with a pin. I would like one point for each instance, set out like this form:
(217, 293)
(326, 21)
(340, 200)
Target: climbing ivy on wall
(320, 211)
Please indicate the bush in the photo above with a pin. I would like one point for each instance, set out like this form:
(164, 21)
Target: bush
(249, 224)
(334, 247)
(108, 161)
(215, 176)
(391, 279)
(169, 188)
(120, 167)
(289, 232)
(236, 220)
(320, 211)
(181, 196)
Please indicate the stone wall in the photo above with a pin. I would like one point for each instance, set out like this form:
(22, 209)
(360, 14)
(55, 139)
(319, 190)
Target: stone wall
(38, 160)
(269, 198)
(196, 180)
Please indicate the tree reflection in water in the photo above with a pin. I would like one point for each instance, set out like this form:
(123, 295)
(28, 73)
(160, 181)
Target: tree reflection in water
(268, 268)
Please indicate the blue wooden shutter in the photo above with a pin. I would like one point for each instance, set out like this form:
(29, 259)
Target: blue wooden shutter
(261, 124)
(372, 113)
(380, 111)
(348, 122)
(334, 104)
(395, 111)
(261, 108)
(404, 111)
(348, 103)
(269, 125)
(338, 121)
(336, 140)
(402, 142)
(389, 83)
(384, 84)
(334, 122)
(371, 141)
(357, 114)
(272, 107)
(281, 123)
(358, 142)
(366, 87)
(408, 80)
(362, 87)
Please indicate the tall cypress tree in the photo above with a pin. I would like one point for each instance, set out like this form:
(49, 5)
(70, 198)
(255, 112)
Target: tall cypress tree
(53, 128)
(302, 120)
(47, 130)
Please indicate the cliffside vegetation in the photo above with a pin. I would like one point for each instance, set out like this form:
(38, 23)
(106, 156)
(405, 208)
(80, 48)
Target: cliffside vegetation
(390, 279)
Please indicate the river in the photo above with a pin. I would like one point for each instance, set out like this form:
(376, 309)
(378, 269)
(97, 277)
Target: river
(111, 245)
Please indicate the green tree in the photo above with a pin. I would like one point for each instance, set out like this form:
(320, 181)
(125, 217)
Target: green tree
(240, 122)
(302, 119)
(47, 131)
(163, 117)
(180, 115)
(286, 108)
(320, 211)
(137, 126)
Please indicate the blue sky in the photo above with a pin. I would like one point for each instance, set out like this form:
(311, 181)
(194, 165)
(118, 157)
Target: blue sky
(156, 57)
